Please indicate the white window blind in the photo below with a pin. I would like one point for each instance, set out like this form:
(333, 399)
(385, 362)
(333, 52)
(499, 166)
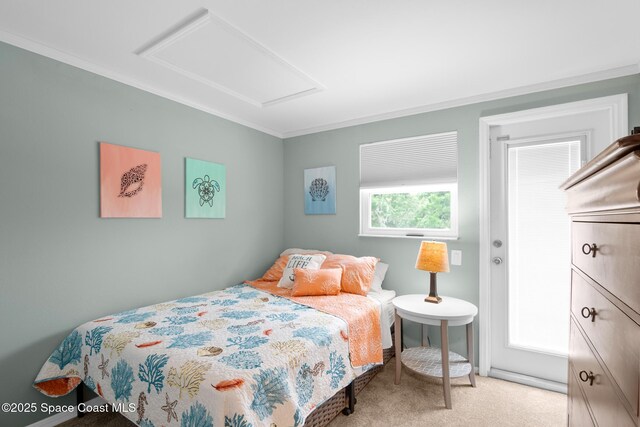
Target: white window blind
(428, 159)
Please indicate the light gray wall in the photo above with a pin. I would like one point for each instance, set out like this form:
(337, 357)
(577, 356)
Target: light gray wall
(60, 264)
(339, 233)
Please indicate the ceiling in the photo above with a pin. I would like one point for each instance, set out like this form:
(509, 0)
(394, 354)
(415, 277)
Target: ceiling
(291, 67)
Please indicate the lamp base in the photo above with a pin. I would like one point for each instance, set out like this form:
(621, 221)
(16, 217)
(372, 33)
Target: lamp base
(433, 299)
(433, 290)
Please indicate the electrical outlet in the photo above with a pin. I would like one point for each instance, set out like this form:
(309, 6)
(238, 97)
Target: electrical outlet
(456, 257)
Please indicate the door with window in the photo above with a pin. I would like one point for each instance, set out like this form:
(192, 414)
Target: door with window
(530, 277)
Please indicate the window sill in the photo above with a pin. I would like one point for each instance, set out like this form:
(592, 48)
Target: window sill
(426, 237)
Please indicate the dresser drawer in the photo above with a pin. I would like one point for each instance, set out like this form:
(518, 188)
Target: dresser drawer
(616, 264)
(614, 335)
(578, 413)
(607, 409)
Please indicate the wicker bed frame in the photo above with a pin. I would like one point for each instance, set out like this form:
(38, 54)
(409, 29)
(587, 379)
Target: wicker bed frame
(342, 402)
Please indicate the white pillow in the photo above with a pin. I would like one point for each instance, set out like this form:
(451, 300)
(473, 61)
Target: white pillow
(309, 262)
(292, 251)
(381, 271)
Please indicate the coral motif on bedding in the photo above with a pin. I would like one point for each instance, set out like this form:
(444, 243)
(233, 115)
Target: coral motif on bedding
(117, 342)
(93, 338)
(269, 390)
(239, 357)
(336, 368)
(304, 384)
(243, 360)
(246, 343)
(122, 380)
(191, 375)
(151, 371)
(135, 317)
(360, 315)
(191, 340)
(69, 351)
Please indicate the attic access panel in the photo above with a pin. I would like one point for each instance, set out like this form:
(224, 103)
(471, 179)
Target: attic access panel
(211, 51)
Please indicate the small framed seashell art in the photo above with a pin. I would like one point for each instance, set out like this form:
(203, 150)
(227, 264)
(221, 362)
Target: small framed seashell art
(205, 189)
(320, 191)
(130, 182)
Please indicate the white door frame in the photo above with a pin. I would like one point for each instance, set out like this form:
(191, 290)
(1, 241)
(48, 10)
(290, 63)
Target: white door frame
(615, 105)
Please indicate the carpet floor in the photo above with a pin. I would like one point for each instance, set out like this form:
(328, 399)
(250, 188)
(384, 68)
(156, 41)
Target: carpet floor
(418, 401)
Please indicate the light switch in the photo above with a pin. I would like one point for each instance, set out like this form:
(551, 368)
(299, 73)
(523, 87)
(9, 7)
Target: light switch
(456, 257)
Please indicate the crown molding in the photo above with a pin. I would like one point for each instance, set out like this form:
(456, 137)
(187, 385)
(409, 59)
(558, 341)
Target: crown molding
(70, 59)
(623, 71)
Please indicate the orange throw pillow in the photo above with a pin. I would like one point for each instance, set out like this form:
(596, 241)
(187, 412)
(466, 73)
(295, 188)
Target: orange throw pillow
(357, 273)
(274, 273)
(316, 282)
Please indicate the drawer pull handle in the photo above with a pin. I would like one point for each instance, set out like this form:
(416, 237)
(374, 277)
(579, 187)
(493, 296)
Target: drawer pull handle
(589, 249)
(589, 312)
(584, 377)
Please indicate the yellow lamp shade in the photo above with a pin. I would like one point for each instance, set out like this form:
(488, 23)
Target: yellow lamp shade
(433, 257)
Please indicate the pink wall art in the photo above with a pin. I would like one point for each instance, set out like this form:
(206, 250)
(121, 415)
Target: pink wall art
(130, 182)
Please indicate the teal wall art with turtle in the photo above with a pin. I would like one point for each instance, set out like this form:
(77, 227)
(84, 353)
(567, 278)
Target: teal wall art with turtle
(52, 118)
(205, 189)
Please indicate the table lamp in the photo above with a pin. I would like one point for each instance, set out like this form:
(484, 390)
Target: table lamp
(433, 257)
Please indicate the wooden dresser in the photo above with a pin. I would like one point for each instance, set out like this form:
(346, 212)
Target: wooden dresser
(604, 349)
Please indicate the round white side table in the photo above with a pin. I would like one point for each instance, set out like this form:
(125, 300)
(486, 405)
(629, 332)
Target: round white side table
(431, 361)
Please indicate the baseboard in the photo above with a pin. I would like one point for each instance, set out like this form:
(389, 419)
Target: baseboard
(528, 380)
(56, 419)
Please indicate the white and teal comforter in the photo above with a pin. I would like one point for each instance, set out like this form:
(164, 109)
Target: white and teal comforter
(235, 358)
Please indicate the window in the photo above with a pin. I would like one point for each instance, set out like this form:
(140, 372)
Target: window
(409, 187)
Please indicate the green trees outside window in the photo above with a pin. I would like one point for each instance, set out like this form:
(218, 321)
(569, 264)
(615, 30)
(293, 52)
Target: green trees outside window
(429, 210)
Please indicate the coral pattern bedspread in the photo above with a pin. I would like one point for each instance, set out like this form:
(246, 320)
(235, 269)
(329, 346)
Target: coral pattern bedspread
(239, 357)
(361, 315)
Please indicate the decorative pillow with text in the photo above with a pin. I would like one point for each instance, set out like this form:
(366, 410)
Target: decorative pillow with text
(310, 262)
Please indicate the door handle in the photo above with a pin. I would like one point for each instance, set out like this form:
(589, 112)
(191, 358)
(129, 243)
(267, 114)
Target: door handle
(497, 260)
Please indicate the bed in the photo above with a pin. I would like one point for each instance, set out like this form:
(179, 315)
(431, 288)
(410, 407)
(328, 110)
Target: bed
(243, 356)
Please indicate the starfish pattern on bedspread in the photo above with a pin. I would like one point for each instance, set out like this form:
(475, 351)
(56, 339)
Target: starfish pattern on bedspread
(170, 408)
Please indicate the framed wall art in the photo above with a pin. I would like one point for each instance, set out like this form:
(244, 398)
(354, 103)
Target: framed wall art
(130, 182)
(320, 191)
(205, 189)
